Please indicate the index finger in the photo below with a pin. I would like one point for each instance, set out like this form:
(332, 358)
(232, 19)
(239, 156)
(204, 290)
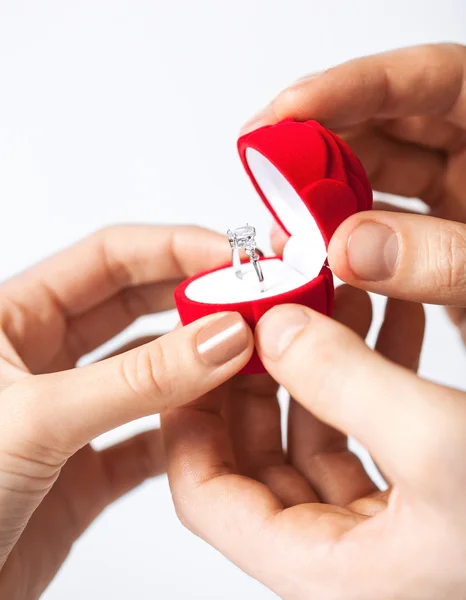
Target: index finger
(422, 80)
(202, 469)
(116, 258)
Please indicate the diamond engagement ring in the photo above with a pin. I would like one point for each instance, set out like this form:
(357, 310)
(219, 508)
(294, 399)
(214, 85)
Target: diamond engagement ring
(245, 237)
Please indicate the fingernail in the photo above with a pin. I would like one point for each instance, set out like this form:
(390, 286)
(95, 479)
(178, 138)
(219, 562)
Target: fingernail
(221, 340)
(278, 328)
(372, 251)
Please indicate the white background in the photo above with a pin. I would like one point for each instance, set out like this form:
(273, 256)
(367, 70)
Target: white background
(115, 111)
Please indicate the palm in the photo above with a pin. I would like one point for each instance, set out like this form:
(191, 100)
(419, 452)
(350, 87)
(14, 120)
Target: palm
(88, 482)
(314, 490)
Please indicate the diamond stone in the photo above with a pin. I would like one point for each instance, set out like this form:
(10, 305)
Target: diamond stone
(242, 237)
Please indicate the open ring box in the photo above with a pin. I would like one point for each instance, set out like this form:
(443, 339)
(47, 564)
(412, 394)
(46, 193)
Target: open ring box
(310, 181)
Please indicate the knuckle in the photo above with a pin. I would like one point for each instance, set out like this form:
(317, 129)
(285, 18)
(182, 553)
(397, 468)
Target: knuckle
(31, 454)
(456, 47)
(116, 270)
(183, 511)
(194, 229)
(22, 401)
(28, 469)
(449, 258)
(429, 53)
(286, 101)
(146, 371)
(110, 230)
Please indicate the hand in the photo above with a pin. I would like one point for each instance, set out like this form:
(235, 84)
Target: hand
(52, 484)
(310, 523)
(404, 114)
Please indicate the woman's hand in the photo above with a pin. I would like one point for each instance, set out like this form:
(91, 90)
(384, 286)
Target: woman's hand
(309, 522)
(404, 114)
(52, 484)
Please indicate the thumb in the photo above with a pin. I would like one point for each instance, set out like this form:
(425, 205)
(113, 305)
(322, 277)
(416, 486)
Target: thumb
(68, 409)
(331, 372)
(46, 418)
(412, 257)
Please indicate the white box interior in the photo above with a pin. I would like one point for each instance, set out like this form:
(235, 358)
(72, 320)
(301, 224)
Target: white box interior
(303, 257)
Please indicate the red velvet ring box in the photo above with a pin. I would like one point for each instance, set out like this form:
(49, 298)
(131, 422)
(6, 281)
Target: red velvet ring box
(310, 181)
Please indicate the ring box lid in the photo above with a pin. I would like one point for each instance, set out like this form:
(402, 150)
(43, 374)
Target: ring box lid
(306, 176)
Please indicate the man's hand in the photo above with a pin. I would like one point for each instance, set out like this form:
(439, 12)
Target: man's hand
(308, 522)
(404, 115)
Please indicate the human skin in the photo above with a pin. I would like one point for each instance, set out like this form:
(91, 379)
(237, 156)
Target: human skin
(52, 482)
(307, 521)
(404, 114)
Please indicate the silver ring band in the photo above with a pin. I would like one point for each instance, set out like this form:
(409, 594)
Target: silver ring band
(245, 237)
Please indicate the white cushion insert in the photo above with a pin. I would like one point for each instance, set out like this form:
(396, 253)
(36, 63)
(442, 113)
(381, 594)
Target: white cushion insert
(223, 287)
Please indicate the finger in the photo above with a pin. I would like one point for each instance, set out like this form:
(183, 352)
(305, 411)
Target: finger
(353, 309)
(402, 332)
(37, 305)
(411, 257)
(386, 206)
(379, 86)
(401, 335)
(333, 374)
(427, 131)
(278, 239)
(458, 317)
(133, 344)
(128, 464)
(86, 332)
(47, 418)
(88, 483)
(253, 416)
(66, 410)
(119, 257)
(10, 373)
(371, 504)
(319, 451)
(400, 169)
(239, 516)
(404, 169)
(93, 480)
(12, 368)
(230, 511)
